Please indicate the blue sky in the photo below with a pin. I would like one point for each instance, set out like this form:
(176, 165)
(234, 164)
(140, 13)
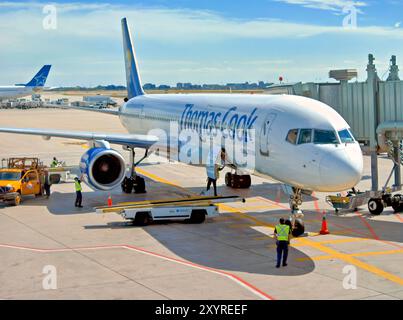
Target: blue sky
(205, 41)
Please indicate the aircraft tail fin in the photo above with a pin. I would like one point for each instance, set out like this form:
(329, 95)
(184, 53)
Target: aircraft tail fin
(39, 79)
(133, 80)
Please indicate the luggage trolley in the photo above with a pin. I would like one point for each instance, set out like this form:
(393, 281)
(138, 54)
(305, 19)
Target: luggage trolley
(193, 210)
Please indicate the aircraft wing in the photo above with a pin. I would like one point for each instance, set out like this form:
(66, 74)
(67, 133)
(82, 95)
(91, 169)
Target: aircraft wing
(132, 140)
(106, 111)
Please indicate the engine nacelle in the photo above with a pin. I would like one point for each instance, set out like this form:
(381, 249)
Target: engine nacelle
(102, 168)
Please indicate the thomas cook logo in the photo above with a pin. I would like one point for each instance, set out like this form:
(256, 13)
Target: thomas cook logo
(227, 121)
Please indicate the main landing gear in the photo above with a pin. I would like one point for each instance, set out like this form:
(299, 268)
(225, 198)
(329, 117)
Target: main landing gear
(237, 181)
(295, 221)
(134, 182)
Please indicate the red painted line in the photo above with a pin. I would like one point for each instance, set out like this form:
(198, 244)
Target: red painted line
(247, 284)
(375, 236)
(366, 223)
(399, 217)
(231, 276)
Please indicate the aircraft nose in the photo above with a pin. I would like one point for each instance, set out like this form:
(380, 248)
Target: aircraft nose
(341, 170)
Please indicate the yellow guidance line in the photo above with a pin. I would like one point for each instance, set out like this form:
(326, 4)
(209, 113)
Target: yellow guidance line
(341, 256)
(360, 254)
(335, 241)
(159, 179)
(352, 260)
(334, 253)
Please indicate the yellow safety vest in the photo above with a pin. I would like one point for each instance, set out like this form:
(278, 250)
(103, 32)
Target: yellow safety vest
(282, 232)
(77, 185)
(53, 164)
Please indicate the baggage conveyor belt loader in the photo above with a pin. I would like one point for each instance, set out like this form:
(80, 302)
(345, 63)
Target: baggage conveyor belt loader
(193, 209)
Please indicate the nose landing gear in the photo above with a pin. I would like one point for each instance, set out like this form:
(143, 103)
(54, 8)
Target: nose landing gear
(295, 221)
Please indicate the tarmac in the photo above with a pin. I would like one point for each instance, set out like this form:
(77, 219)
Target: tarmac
(232, 256)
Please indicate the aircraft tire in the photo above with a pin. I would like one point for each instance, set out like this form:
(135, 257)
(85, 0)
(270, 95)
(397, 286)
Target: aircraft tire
(127, 185)
(375, 206)
(397, 203)
(241, 181)
(228, 179)
(299, 228)
(140, 185)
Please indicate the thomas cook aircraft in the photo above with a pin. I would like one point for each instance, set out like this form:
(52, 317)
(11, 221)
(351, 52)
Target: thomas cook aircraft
(301, 142)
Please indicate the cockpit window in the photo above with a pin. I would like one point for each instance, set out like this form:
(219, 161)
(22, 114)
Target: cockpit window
(305, 136)
(325, 137)
(292, 136)
(346, 136)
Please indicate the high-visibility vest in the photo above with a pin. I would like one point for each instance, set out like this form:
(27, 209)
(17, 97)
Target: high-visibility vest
(54, 164)
(282, 232)
(77, 185)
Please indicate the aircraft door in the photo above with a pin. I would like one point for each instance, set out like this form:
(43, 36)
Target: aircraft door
(265, 134)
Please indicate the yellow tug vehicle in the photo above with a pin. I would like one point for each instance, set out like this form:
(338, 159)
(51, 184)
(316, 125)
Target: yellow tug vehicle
(21, 177)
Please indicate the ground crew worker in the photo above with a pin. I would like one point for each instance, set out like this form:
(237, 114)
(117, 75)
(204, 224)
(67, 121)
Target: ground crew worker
(54, 163)
(213, 173)
(282, 233)
(79, 196)
(212, 176)
(46, 184)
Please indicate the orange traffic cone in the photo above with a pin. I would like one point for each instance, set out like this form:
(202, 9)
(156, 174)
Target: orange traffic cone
(324, 229)
(109, 201)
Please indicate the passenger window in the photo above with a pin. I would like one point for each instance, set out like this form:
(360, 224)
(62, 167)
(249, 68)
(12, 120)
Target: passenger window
(305, 136)
(292, 136)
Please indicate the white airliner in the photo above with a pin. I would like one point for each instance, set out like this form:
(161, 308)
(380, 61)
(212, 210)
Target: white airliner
(298, 141)
(22, 90)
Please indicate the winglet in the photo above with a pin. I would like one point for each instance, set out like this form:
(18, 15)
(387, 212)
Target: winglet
(133, 80)
(39, 79)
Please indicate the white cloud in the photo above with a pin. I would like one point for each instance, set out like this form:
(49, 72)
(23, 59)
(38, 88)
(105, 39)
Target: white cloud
(332, 5)
(177, 25)
(86, 47)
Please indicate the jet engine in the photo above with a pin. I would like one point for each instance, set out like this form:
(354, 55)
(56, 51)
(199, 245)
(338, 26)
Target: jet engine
(103, 168)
